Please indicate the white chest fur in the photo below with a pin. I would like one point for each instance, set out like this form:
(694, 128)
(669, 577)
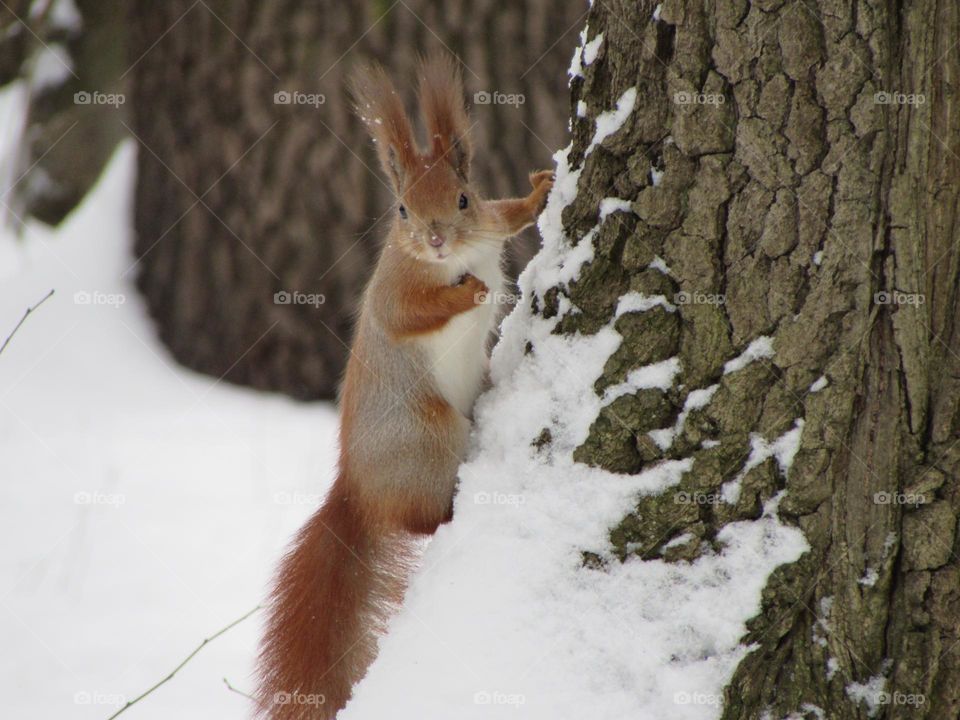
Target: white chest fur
(457, 352)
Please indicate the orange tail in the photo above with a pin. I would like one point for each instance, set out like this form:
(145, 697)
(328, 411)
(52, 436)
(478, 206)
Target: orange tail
(333, 593)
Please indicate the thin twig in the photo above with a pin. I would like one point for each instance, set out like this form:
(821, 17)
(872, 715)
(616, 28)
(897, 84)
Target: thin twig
(187, 659)
(29, 310)
(231, 688)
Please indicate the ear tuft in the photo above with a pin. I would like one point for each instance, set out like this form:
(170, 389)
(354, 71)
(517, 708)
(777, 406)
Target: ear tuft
(444, 113)
(378, 104)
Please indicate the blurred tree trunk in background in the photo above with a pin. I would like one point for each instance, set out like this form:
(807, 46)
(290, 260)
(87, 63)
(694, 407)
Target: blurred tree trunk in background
(796, 166)
(60, 50)
(240, 197)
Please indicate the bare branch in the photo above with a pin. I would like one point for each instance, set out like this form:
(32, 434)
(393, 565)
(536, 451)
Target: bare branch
(231, 688)
(25, 315)
(187, 659)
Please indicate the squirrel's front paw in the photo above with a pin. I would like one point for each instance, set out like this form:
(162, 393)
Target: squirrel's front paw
(540, 177)
(475, 286)
(542, 182)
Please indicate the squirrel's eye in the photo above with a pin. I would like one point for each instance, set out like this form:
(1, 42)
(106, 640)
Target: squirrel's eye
(463, 201)
(403, 212)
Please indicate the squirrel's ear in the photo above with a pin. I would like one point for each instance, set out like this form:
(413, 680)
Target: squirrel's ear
(377, 103)
(444, 114)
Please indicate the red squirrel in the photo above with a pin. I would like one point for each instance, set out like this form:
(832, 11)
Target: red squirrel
(416, 366)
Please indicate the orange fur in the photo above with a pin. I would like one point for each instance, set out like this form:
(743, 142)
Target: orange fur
(441, 102)
(517, 213)
(378, 104)
(427, 308)
(403, 432)
(333, 598)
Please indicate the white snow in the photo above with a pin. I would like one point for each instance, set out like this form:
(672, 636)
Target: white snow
(656, 376)
(656, 176)
(61, 14)
(51, 65)
(818, 258)
(872, 693)
(576, 62)
(762, 347)
(679, 540)
(585, 53)
(784, 448)
(638, 302)
(660, 264)
(143, 507)
(821, 628)
(13, 105)
(581, 109)
(696, 400)
(871, 574)
(820, 383)
(807, 709)
(612, 204)
(610, 121)
(591, 49)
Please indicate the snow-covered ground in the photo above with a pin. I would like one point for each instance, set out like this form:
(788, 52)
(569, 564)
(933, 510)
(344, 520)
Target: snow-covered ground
(142, 506)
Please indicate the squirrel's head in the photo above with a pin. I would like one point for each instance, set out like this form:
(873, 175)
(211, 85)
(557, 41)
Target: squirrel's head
(434, 204)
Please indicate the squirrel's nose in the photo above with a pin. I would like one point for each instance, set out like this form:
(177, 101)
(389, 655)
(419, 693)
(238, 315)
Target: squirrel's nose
(436, 239)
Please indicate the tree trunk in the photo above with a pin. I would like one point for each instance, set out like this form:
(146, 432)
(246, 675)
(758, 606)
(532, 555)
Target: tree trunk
(795, 166)
(241, 199)
(66, 143)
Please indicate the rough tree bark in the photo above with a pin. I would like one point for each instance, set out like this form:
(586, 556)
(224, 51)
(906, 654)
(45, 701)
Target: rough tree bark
(240, 198)
(809, 193)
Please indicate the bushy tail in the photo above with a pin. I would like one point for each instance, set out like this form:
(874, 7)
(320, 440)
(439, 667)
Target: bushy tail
(333, 593)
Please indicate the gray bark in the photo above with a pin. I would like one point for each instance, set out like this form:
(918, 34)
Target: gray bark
(806, 202)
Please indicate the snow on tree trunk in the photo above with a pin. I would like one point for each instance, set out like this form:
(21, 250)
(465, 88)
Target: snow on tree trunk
(716, 474)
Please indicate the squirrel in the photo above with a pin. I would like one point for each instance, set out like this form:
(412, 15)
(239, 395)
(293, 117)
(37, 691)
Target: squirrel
(416, 365)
